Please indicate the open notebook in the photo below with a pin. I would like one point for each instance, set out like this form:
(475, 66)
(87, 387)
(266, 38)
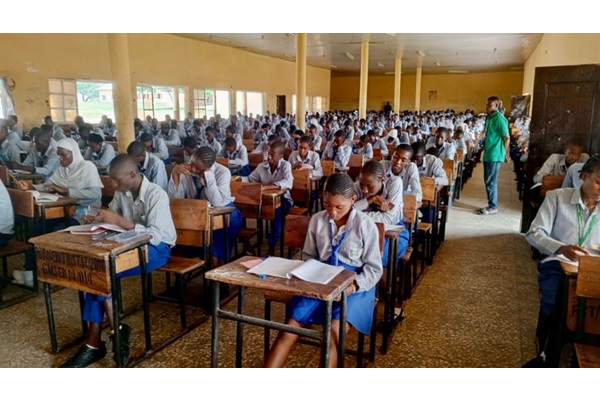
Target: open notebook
(312, 271)
(44, 196)
(93, 229)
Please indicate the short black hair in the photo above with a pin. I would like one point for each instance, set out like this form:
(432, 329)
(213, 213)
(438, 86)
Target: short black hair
(136, 148)
(190, 142)
(230, 141)
(123, 161)
(95, 138)
(405, 147)
(146, 137)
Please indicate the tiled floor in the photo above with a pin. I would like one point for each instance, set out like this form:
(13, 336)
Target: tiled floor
(475, 307)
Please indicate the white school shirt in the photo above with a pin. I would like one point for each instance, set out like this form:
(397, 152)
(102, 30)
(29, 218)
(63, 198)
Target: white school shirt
(154, 169)
(150, 212)
(341, 155)
(215, 187)
(380, 144)
(44, 164)
(556, 222)
(159, 148)
(215, 145)
(10, 151)
(317, 142)
(360, 248)
(392, 191)
(237, 158)
(17, 130)
(282, 177)
(312, 162)
(433, 167)
(366, 151)
(102, 158)
(447, 151)
(555, 165)
(410, 178)
(172, 138)
(7, 215)
(572, 179)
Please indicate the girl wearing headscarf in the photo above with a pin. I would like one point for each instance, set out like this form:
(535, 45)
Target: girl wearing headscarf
(75, 178)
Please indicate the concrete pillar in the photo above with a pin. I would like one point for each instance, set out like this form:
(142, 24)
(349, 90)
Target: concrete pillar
(176, 112)
(300, 80)
(418, 90)
(189, 100)
(397, 79)
(122, 90)
(364, 78)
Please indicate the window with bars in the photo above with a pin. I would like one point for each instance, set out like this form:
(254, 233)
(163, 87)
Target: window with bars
(63, 100)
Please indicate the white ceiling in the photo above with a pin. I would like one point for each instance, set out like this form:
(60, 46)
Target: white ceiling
(473, 52)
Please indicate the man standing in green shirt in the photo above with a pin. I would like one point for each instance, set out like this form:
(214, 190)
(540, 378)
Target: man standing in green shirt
(496, 152)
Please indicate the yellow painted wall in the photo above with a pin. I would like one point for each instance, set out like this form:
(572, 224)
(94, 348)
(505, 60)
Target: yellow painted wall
(557, 49)
(454, 91)
(160, 59)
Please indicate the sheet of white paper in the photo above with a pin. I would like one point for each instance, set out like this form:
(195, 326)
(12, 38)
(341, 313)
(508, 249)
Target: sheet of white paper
(392, 227)
(276, 267)
(316, 272)
(560, 258)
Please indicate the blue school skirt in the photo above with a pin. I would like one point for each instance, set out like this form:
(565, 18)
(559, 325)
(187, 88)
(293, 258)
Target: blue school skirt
(359, 308)
(403, 240)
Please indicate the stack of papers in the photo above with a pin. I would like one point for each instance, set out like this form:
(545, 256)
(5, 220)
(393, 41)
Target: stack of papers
(312, 271)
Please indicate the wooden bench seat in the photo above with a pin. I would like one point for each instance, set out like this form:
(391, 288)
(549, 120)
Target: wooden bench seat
(588, 356)
(179, 265)
(14, 247)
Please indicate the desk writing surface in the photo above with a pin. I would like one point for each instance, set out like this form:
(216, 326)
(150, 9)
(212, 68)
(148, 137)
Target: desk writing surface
(78, 262)
(569, 269)
(394, 233)
(235, 273)
(217, 213)
(55, 209)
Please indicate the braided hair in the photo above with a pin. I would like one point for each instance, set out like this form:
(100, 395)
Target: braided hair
(206, 155)
(591, 165)
(374, 168)
(340, 184)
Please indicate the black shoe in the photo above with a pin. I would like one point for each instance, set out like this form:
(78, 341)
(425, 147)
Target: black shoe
(85, 356)
(124, 335)
(537, 362)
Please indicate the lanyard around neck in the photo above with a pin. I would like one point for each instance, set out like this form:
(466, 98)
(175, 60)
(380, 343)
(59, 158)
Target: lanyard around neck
(582, 238)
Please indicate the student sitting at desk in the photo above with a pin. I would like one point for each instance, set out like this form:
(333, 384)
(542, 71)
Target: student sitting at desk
(150, 166)
(230, 132)
(337, 150)
(156, 146)
(137, 204)
(428, 165)
(275, 173)
(57, 131)
(211, 140)
(573, 177)
(202, 178)
(169, 135)
(565, 225)
(340, 236)
(363, 147)
(317, 140)
(42, 158)
(306, 159)
(401, 166)
(377, 143)
(13, 128)
(8, 152)
(190, 144)
(99, 152)
(237, 156)
(557, 164)
(381, 200)
(84, 134)
(440, 147)
(7, 216)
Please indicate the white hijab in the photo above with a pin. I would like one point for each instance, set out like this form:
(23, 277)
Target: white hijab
(80, 174)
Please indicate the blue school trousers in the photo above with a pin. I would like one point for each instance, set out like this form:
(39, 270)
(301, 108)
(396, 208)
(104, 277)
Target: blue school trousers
(278, 222)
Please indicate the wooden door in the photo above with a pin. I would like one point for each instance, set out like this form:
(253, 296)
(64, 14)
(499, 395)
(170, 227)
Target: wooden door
(281, 105)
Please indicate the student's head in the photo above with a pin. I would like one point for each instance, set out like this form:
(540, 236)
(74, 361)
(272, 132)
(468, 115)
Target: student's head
(230, 131)
(203, 159)
(265, 127)
(339, 196)
(573, 152)
(312, 130)
(3, 133)
(190, 144)
(85, 130)
(95, 141)
(79, 121)
(197, 123)
(371, 178)
(418, 153)
(173, 124)
(12, 120)
(590, 174)
(164, 127)
(304, 145)
(372, 136)
(339, 138)
(48, 121)
(297, 135)
(230, 144)
(401, 158)
(124, 172)
(137, 151)
(492, 104)
(363, 140)
(458, 134)
(46, 128)
(167, 118)
(41, 141)
(276, 150)
(65, 149)
(146, 140)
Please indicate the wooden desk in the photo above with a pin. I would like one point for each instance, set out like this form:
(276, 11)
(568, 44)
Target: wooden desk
(342, 169)
(35, 177)
(236, 274)
(79, 263)
(390, 292)
(63, 207)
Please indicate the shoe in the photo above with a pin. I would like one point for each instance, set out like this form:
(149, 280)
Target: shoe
(399, 315)
(19, 277)
(85, 356)
(488, 210)
(124, 335)
(537, 362)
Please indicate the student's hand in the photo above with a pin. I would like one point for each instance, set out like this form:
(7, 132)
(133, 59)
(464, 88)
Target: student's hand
(572, 252)
(22, 185)
(108, 216)
(298, 165)
(58, 189)
(383, 204)
(507, 159)
(351, 289)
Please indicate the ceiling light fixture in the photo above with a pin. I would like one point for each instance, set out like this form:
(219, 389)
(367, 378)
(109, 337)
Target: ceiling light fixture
(458, 72)
(350, 56)
(258, 37)
(391, 34)
(289, 56)
(420, 53)
(220, 39)
(31, 67)
(437, 63)
(380, 65)
(333, 66)
(389, 73)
